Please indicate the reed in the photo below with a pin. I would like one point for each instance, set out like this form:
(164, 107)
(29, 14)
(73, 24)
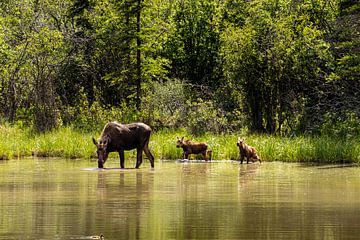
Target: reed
(68, 143)
(14, 142)
(163, 144)
(63, 142)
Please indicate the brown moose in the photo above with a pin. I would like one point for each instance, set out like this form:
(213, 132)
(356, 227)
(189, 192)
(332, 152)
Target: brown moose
(117, 137)
(247, 151)
(190, 147)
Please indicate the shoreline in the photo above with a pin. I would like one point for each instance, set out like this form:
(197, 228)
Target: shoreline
(68, 143)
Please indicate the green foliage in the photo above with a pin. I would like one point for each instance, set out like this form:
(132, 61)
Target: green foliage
(163, 144)
(14, 142)
(164, 105)
(194, 45)
(95, 117)
(67, 142)
(274, 57)
(167, 105)
(345, 126)
(205, 117)
(272, 66)
(64, 142)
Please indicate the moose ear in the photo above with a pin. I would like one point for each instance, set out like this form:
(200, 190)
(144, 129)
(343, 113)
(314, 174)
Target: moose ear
(182, 139)
(94, 141)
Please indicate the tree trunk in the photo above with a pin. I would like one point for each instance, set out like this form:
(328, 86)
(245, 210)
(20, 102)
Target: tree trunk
(256, 111)
(138, 57)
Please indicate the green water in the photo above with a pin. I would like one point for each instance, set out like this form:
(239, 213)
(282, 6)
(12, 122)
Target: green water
(67, 199)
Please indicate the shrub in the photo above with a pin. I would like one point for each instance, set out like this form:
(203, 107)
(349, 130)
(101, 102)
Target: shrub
(347, 125)
(203, 117)
(164, 105)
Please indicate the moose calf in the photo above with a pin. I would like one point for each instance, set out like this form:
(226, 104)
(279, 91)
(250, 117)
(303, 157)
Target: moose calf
(190, 147)
(247, 151)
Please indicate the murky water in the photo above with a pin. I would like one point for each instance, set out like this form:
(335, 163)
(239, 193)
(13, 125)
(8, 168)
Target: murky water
(67, 199)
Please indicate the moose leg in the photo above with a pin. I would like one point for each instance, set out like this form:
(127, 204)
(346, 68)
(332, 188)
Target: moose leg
(122, 158)
(138, 157)
(148, 154)
(204, 154)
(257, 158)
(186, 155)
(209, 153)
(241, 159)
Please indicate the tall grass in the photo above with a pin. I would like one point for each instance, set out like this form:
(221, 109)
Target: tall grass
(14, 142)
(270, 148)
(69, 143)
(63, 142)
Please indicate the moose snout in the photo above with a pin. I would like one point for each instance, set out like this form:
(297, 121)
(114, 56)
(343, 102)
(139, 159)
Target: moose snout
(100, 164)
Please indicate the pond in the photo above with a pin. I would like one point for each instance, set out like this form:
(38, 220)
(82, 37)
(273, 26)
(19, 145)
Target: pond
(71, 199)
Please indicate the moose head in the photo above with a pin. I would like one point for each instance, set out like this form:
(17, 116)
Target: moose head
(180, 142)
(101, 151)
(240, 142)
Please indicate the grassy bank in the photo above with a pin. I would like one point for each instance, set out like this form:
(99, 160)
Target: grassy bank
(67, 143)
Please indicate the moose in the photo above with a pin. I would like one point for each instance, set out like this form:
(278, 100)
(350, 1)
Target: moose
(247, 151)
(117, 137)
(190, 147)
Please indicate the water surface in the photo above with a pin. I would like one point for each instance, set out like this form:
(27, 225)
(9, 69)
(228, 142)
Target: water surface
(67, 199)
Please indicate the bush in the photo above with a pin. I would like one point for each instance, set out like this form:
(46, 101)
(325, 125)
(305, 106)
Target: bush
(345, 125)
(89, 118)
(203, 117)
(165, 104)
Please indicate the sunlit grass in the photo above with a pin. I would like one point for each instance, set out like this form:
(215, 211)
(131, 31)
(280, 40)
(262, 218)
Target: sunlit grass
(14, 142)
(69, 143)
(163, 144)
(270, 148)
(64, 142)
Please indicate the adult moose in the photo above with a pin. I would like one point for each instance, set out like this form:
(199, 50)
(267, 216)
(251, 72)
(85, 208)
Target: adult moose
(117, 137)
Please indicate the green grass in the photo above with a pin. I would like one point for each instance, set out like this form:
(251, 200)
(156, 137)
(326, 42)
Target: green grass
(63, 142)
(68, 143)
(270, 148)
(13, 142)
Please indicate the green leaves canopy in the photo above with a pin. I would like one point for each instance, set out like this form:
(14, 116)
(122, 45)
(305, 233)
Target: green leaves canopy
(282, 65)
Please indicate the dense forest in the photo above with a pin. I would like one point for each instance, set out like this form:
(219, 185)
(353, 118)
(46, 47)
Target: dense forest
(268, 66)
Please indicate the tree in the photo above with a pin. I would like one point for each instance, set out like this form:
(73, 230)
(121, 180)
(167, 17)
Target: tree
(345, 80)
(34, 52)
(276, 58)
(194, 44)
